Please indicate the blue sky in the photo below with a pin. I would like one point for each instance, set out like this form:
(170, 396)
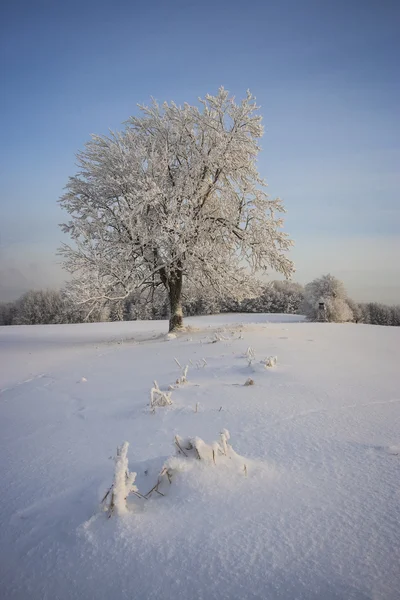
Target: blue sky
(325, 73)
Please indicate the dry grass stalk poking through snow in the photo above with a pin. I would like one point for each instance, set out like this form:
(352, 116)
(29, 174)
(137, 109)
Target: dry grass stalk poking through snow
(183, 378)
(159, 398)
(178, 363)
(218, 337)
(200, 364)
(197, 448)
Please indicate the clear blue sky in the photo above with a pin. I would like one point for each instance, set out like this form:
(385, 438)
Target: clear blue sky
(325, 73)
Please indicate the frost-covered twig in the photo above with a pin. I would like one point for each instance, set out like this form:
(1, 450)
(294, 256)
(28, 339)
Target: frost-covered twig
(250, 355)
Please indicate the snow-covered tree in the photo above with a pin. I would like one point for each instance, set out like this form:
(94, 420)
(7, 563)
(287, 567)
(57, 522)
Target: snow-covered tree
(40, 306)
(356, 309)
(8, 311)
(395, 312)
(276, 297)
(175, 197)
(331, 292)
(379, 314)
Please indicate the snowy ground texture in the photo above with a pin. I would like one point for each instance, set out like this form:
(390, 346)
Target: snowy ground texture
(316, 516)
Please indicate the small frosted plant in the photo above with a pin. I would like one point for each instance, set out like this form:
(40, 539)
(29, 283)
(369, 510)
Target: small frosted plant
(196, 448)
(122, 486)
(189, 451)
(271, 361)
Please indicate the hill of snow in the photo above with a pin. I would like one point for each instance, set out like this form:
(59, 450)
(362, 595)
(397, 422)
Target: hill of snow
(305, 504)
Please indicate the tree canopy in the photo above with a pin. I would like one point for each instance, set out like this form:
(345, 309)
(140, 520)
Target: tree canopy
(175, 196)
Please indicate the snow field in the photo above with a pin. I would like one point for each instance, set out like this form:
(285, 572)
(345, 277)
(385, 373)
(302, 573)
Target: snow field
(316, 515)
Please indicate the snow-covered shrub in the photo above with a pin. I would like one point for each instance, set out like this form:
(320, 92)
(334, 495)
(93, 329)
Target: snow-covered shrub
(158, 397)
(249, 381)
(123, 484)
(328, 292)
(338, 310)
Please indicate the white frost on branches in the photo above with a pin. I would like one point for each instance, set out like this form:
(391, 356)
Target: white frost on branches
(175, 197)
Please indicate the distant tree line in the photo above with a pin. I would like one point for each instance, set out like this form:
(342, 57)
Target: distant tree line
(52, 307)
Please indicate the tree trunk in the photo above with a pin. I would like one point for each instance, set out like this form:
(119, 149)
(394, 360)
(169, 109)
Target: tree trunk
(175, 293)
